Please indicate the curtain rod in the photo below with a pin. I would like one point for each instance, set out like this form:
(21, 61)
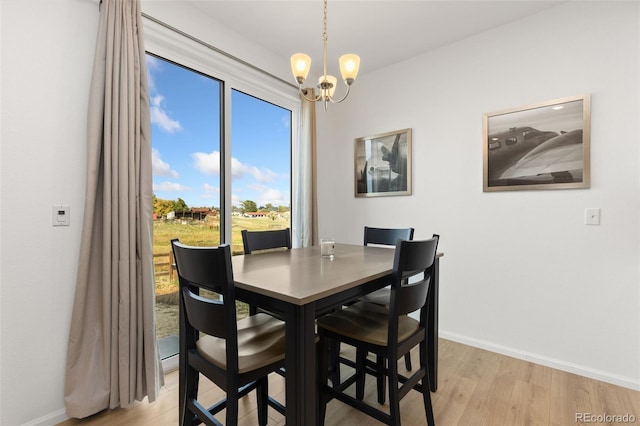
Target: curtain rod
(215, 49)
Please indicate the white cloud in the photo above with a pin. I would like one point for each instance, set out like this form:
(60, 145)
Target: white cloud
(210, 189)
(170, 187)
(273, 196)
(286, 121)
(269, 195)
(209, 164)
(210, 192)
(239, 169)
(159, 167)
(153, 65)
(160, 117)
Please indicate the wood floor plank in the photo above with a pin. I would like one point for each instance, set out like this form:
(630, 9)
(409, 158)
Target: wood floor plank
(475, 387)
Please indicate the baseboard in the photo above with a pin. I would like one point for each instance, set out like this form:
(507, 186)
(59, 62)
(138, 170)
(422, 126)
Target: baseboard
(168, 365)
(51, 419)
(569, 367)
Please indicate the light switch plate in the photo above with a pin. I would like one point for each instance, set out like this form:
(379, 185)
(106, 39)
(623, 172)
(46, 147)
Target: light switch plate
(592, 216)
(61, 215)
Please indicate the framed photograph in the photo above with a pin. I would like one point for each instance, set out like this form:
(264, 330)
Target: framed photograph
(383, 164)
(540, 146)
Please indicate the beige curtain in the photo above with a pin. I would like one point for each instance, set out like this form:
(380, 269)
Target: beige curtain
(305, 210)
(112, 356)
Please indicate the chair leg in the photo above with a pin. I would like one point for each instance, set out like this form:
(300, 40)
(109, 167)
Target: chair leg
(232, 407)
(394, 395)
(381, 379)
(361, 367)
(262, 394)
(426, 389)
(334, 362)
(188, 384)
(407, 361)
(426, 396)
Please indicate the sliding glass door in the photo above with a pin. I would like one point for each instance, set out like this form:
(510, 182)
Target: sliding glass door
(260, 166)
(209, 183)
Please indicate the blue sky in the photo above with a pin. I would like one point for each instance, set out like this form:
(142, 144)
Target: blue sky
(185, 134)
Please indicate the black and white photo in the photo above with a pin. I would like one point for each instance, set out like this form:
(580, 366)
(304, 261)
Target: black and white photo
(383, 164)
(540, 146)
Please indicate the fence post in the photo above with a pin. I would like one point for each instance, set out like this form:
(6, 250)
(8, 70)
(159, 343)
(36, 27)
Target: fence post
(172, 266)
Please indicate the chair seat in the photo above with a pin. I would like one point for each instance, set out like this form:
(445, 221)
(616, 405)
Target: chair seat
(368, 323)
(379, 297)
(261, 341)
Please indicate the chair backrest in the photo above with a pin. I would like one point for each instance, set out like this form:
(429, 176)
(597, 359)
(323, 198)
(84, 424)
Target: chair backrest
(412, 259)
(264, 240)
(206, 268)
(386, 236)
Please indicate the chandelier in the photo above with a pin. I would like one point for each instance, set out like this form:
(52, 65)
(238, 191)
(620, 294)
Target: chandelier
(349, 65)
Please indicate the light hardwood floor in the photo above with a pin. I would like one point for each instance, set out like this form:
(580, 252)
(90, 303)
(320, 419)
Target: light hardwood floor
(475, 387)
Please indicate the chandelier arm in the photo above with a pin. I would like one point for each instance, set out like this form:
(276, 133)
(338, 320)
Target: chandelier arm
(316, 99)
(343, 98)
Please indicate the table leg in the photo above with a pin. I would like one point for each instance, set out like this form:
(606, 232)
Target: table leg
(301, 394)
(432, 328)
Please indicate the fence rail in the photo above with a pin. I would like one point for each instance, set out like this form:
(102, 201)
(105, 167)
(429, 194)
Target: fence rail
(164, 265)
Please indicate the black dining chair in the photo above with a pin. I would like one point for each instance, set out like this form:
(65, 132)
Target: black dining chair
(260, 241)
(389, 332)
(385, 237)
(237, 356)
(265, 240)
(379, 237)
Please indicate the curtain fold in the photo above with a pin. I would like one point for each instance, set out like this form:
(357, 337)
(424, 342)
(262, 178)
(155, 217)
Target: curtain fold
(112, 355)
(305, 210)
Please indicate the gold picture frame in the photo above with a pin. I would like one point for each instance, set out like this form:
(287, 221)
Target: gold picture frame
(540, 146)
(383, 164)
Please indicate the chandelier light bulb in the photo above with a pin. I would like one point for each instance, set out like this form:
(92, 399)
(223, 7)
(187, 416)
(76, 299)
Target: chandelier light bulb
(349, 66)
(300, 66)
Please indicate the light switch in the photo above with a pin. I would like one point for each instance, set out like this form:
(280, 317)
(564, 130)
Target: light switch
(61, 215)
(592, 216)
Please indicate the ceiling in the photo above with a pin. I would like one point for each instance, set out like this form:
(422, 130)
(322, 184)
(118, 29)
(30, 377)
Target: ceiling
(381, 32)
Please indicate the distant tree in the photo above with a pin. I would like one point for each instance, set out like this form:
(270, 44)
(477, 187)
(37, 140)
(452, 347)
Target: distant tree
(269, 207)
(249, 206)
(162, 207)
(282, 209)
(272, 215)
(180, 206)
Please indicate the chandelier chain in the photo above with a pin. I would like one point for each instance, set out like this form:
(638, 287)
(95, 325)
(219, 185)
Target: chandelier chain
(324, 22)
(324, 39)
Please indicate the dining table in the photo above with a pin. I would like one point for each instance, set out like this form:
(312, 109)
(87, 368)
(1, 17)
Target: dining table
(299, 285)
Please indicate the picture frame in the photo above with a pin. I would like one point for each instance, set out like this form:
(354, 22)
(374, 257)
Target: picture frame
(382, 164)
(539, 146)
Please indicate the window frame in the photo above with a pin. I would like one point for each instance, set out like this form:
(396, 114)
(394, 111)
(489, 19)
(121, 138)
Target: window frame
(162, 41)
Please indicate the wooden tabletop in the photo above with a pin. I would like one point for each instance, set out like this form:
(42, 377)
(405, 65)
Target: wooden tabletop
(300, 276)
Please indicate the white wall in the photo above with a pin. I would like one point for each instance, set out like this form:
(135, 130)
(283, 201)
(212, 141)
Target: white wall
(521, 274)
(47, 56)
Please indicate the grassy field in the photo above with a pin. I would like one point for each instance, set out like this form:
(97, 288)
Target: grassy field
(196, 233)
(208, 234)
